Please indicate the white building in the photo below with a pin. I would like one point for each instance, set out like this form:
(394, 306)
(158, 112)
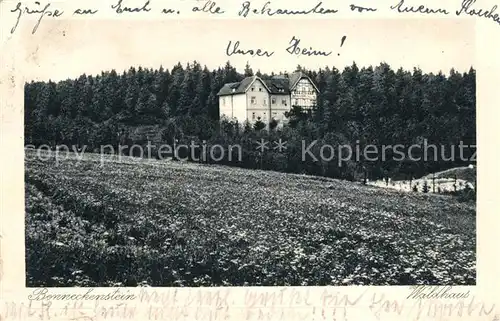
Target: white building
(255, 99)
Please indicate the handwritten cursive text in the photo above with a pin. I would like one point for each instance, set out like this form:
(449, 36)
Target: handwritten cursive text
(489, 14)
(362, 9)
(401, 8)
(266, 10)
(209, 7)
(42, 13)
(233, 49)
(121, 9)
(294, 49)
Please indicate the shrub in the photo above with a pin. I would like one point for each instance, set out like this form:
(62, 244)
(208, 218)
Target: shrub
(259, 125)
(425, 188)
(466, 195)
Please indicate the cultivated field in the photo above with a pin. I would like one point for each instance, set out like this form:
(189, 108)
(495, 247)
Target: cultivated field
(139, 222)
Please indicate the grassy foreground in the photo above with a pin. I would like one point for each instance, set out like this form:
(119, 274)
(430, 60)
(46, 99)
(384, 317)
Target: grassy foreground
(137, 222)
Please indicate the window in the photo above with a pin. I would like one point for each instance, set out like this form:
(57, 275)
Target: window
(283, 102)
(296, 102)
(253, 100)
(260, 89)
(273, 101)
(264, 114)
(253, 116)
(223, 101)
(252, 89)
(275, 114)
(265, 101)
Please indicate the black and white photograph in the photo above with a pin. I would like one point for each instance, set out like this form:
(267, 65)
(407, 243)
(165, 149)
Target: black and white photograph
(343, 153)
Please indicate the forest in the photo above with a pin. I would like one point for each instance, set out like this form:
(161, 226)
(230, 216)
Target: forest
(375, 105)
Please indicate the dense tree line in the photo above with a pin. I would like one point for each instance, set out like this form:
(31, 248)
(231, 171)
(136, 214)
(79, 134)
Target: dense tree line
(356, 106)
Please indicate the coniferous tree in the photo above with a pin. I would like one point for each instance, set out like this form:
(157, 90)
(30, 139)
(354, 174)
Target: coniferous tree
(372, 105)
(248, 71)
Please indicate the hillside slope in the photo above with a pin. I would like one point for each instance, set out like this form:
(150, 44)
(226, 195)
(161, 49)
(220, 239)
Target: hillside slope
(136, 221)
(447, 181)
(468, 174)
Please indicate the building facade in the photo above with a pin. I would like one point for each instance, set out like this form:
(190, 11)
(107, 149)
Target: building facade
(255, 98)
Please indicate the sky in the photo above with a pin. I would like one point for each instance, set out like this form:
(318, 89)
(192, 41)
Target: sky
(76, 47)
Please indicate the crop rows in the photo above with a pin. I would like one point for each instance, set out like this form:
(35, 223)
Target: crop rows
(134, 222)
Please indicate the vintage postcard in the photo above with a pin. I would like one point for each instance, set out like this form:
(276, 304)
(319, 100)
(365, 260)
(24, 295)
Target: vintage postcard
(253, 160)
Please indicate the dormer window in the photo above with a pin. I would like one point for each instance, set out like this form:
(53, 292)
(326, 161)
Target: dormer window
(252, 89)
(260, 89)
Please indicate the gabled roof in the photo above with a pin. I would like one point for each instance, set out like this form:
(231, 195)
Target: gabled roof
(235, 87)
(239, 87)
(279, 85)
(296, 76)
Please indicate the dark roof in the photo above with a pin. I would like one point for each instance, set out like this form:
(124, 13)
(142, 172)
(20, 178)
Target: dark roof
(296, 76)
(236, 87)
(280, 84)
